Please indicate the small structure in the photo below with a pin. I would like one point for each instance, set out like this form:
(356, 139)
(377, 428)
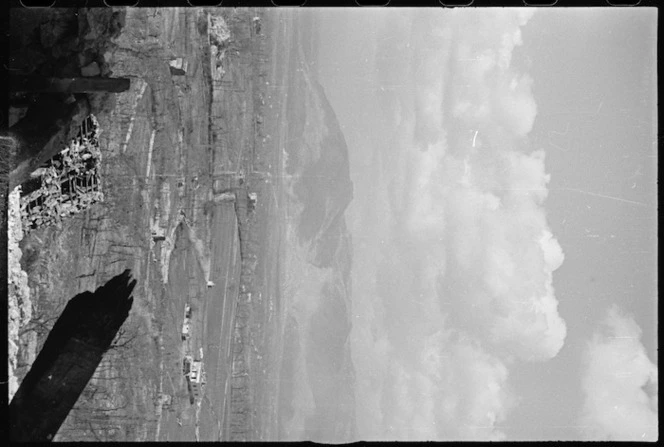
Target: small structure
(195, 376)
(186, 330)
(253, 200)
(164, 400)
(226, 196)
(186, 324)
(257, 25)
(210, 284)
(178, 66)
(158, 234)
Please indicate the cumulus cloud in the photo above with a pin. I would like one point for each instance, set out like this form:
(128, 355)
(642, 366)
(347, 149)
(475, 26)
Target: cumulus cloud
(474, 396)
(488, 90)
(470, 265)
(620, 384)
(412, 61)
(438, 61)
(513, 103)
(424, 215)
(409, 405)
(453, 391)
(501, 254)
(431, 41)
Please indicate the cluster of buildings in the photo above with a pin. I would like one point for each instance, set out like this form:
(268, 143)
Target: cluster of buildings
(192, 368)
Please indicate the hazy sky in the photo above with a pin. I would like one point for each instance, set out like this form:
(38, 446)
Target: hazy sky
(503, 221)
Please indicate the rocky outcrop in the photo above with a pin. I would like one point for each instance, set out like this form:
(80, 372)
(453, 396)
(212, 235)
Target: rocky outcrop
(19, 306)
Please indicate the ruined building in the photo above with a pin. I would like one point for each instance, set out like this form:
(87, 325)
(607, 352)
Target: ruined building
(66, 184)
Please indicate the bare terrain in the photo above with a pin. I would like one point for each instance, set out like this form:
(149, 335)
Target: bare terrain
(182, 151)
(169, 143)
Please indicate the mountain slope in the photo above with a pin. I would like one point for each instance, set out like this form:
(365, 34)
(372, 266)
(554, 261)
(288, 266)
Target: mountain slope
(320, 405)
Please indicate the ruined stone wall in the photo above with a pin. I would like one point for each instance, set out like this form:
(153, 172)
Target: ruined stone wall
(67, 184)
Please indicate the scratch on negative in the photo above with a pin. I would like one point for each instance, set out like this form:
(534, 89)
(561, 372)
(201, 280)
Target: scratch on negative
(619, 199)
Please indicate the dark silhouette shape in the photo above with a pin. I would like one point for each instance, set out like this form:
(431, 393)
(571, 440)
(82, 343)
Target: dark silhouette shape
(19, 83)
(73, 350)
(43, 132)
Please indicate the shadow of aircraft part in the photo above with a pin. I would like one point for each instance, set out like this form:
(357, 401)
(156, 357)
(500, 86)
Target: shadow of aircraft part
(73, 350)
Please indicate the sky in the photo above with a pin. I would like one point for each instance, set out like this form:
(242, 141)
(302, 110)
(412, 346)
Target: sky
(503, 220)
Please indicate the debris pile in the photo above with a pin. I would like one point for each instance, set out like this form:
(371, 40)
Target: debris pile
(66, 184)
(186, 323)
(220, 37)
(218, 29)
(257, 24)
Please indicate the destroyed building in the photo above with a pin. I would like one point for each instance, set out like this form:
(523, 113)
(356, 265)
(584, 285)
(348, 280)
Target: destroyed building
(66, 184)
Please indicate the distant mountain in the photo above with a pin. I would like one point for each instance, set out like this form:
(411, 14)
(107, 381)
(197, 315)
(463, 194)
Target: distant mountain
(318, 162)
(319, 158)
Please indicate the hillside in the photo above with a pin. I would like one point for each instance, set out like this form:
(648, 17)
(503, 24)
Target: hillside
(321, 405)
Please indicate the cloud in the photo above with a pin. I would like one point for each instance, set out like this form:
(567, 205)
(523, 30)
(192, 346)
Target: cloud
(475, 216)
(620, 384)
(453, 391)
(424, 215)
(487, 89)
(458, 62)
(468, 268)
(474, 396)
(408, 408)
(429, 61)
(501, 254)
(513, 103)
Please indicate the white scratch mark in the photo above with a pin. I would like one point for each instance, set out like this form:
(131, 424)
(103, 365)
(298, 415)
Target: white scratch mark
(619, 199)
(564, 149)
